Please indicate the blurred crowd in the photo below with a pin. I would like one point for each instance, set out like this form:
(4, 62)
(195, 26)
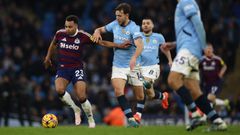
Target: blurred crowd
(27, 27)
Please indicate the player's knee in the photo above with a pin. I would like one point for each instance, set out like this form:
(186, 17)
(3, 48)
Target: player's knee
(118, 92)
(211, 97)
(140, 97)
(150, 95)
(60, 90)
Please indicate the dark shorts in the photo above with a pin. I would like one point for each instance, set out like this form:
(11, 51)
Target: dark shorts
(72, 75)
(213, 88)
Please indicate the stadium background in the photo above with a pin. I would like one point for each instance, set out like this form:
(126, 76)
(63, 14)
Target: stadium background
(27, 26)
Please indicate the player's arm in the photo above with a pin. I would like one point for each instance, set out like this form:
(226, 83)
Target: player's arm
(114, 45)
(168, 45)
(139, 48)
(199, 28)
(97, 34)
(167, 53)
(47, 61)
(223, 69)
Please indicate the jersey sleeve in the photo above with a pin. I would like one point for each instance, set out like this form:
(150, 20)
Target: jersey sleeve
(189, 8)
(135, 31)
(88, 38)
(161, 39)
(109, 27)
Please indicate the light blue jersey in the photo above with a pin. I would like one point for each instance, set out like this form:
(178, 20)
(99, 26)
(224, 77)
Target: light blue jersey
(150, 52)
(185, 32)
(121, 34)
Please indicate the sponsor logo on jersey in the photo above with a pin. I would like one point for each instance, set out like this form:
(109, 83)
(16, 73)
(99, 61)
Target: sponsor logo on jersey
(67, 46)
(120, 38)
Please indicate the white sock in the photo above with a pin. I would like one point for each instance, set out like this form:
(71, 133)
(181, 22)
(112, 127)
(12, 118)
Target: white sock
(220, 102)
(68, 100)
(87, 108)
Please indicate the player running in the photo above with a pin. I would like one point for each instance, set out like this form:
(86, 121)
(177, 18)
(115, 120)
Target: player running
(150, 69)
(69, 43)
(125, 60)
(184, 74)
(212, 69)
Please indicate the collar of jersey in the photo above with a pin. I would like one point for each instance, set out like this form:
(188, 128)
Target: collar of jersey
(127, 24)
(74, 34)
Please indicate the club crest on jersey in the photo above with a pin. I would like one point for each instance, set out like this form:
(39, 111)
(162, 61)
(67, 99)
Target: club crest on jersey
(125, 32)
(64, 39)
(76, 41)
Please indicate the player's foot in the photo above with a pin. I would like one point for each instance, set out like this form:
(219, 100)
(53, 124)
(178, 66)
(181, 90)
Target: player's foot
(147, 84)
(227, 104)
(132, 123)
(218, 125)
(77, 113)
(165, 100)
(137, 118)
(196, 121)
(91, 122)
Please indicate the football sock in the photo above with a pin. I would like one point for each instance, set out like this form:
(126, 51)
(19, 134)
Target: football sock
(140, 107)
(65, 97)
(220, 102)
(205, 106)
(125, 106)
(87, 108)
(187, 99)
(158, 95)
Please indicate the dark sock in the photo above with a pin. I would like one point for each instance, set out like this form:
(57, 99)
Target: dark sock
(205, 106)
(61, 95)
(125, 106)
(158, 95)
(140, 105)
(187, 98)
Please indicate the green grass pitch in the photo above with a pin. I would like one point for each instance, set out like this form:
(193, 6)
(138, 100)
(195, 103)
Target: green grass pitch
(107, 130)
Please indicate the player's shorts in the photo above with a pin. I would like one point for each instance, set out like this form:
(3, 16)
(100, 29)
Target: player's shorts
(187, 64)
(152, 72)
(72, 75)
(214, 88)
(133, 77)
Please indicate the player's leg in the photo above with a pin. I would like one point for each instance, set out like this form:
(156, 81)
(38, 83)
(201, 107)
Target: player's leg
(212, 96)
(137, 85)
(151, 73)
(204, 104)
(61, 84)
(180, 68)
(119, 77)
(154, 94)
(139, 95)
(80, 90)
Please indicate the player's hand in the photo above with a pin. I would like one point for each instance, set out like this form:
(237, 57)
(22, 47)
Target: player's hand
(132, 62)
(170, 64)
(96, 37)
(124, 45)
(47, 62)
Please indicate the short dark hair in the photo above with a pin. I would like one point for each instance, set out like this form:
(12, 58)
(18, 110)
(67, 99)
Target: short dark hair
(147, 18)
(125, 7)
(73, 18)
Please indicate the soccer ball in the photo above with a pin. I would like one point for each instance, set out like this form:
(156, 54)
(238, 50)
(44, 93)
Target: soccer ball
(49, 121)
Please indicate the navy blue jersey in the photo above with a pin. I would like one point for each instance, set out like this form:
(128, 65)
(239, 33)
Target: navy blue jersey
(70, 48)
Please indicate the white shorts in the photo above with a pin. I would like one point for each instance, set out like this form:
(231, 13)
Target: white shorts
(152, 72)
(133, 77)
(187, 64)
